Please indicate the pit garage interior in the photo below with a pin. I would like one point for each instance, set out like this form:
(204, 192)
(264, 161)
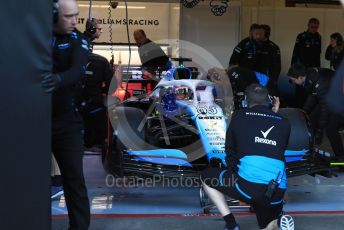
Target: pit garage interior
(199, 34)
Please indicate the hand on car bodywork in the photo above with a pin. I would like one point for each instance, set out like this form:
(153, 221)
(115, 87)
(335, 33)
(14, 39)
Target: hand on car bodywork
(50, 82)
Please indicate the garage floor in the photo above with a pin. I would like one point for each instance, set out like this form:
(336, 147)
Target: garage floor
(315, 203)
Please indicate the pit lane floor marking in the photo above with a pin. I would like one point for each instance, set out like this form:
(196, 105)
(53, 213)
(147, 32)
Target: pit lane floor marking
(197, 215)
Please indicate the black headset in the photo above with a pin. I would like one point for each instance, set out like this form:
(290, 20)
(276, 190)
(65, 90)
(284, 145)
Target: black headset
(55, 11)
(91, 26)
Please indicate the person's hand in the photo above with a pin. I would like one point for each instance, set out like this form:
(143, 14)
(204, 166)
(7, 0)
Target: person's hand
(276, 104)
(147, 75)
(318, 135)
(50, 82)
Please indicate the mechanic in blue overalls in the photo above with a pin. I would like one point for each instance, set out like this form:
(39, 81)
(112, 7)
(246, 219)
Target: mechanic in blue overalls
(255, 143)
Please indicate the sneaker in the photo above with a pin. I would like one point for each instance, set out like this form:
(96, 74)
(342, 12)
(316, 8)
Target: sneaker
(56, 191)
(286, 223)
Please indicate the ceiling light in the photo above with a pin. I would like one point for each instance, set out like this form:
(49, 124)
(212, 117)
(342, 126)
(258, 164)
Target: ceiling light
(106, 6)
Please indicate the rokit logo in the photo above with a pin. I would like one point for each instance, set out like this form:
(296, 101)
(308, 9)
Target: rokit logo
(265, 140)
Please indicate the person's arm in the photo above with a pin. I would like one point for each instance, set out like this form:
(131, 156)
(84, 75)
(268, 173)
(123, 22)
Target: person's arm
(232, 159)
(296, 52)
(276, 63)
(108, 74)
(328, 53)
(276, 104)
(237, 54)
(79, 61)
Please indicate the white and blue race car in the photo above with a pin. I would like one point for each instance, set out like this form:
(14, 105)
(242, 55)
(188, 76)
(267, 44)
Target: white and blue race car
(179, 129)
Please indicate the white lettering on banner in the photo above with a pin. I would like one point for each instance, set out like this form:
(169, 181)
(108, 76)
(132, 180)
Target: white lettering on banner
(153, 18)
(141, 22)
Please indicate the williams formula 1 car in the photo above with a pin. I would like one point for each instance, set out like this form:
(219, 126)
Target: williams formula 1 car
(179, 128)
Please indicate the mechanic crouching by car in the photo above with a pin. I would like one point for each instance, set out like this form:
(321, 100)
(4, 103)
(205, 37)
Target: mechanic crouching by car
(317, 81)
(70, 52)
(255, 143)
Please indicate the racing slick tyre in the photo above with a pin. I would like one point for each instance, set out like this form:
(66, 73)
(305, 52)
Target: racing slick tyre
(301, 132)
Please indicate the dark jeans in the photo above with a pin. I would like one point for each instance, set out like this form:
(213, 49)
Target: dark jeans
(334, 124)
(68, 150)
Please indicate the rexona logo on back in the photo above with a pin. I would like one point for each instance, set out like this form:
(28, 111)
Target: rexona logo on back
(265, 140)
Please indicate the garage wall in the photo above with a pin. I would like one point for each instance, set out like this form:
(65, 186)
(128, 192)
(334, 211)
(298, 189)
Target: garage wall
(160, 21)
(151, 17)
(219, 35)
(216, 34)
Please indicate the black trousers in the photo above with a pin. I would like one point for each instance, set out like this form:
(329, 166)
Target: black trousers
(95, 124)
(300, 96)
(230, 184)
(68, 150)
(334, 124)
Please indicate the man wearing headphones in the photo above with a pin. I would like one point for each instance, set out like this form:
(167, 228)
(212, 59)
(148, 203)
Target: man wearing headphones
(70, 52)
(96, 83)
(93, 30)
(255, 171)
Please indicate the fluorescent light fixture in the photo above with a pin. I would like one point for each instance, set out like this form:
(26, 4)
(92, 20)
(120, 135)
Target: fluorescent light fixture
(132, 7)
(106, 6)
